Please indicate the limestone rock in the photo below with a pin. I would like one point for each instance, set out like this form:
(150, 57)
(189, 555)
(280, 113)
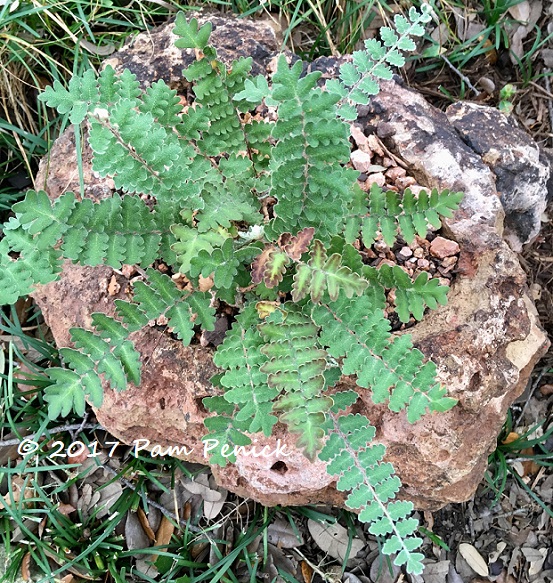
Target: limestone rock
(485, 342)
(521, 170)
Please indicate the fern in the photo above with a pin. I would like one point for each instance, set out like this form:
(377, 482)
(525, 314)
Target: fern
(361, 470)
(409, 215)
(393, 369)
(268, 216)
(296, 365)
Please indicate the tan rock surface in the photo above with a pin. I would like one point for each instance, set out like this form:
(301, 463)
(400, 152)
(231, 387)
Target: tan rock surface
(485, 342)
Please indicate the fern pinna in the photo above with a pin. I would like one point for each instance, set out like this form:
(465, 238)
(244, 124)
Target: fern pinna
(264, 216)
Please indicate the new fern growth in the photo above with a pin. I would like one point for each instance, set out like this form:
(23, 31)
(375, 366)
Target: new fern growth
(269, 214)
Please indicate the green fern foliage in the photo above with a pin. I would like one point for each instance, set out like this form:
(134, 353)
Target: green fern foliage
(393, 370)
(107, 352)
(358, 464)
(161, 300)
(409, 215)
(262, 221)
(295, 368)
(412, 297)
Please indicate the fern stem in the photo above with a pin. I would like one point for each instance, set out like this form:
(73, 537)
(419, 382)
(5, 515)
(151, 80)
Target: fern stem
(79, 152)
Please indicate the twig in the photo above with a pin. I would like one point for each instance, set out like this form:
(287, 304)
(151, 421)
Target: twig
(463, 77)
(550, 100)
(59, 429)
(155, 504)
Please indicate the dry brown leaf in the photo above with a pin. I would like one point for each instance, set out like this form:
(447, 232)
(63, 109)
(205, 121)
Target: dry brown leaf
(333, 539)
(510, 438)
(474, 559)
(281, 534)
(26, 567)
(205, 283)
(67, 579)
(113, 286)
(164, 532)
(66, 509)
(306, 572)
(146, 524)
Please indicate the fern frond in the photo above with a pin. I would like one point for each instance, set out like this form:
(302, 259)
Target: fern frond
(322, 274)
(214, 86)
(296, 365)
(113, 232)
(155, 163)
(360, 468)
(160, 297)
(359, 79)
(163, 103)
(244, 379)
(222, 263)
(308, 178)
(190, 36)
(393, 370)
(106, 352)
(190, 243)
(412, 297)
(18, 277)
(409, 215)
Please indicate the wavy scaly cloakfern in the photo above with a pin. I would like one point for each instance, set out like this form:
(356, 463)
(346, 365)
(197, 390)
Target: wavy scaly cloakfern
(266, 215)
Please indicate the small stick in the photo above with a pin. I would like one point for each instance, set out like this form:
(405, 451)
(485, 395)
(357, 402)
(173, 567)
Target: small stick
(463, 77)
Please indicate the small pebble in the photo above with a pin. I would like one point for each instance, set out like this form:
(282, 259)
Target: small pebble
(405, 252)
(395, 173)
(405, 182)
(361, 160)
(423, 263)
(378, 177)
(442, 248)
(419, 252)
(449, 261)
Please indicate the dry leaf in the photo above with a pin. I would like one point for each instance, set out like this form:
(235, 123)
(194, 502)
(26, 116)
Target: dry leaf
(65, 509)
(146, 524)
(135, 537)
(113, 286)
(536, 558)
(281, 534)
(306, 572)
(474, 559)
(510, 438)
(164, 532)
(436, 572)
(520, 11)
(333, 539)
(453, 576)
(26, 567)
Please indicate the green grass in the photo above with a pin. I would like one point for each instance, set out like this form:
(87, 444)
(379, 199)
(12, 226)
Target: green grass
(525, 448)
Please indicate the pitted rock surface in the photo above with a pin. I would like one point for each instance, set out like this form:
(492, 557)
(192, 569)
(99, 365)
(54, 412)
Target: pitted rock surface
(521, 170)
(152, 56)
(485, 341)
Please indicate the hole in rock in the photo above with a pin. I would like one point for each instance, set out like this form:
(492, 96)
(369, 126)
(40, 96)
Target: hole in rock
(279, 467)
(200, 405)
